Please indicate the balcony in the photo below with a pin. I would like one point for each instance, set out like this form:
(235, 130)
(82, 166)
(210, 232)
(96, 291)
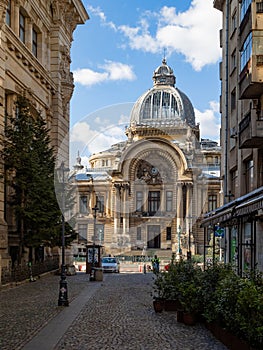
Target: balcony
(251, 76)
(251, 132)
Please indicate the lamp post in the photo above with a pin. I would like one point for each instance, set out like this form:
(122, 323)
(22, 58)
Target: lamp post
(63, 285)
(95, 209)
(179, 231)
(189, 253)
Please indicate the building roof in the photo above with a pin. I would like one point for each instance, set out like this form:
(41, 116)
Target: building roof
(163, 102)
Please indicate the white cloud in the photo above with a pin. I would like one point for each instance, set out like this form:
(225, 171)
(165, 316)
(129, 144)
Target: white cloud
(88, 77)
(140, 39)
(88, 141)
(209, 121)
(82, 133)
(112, 71)
(193, 33)
(98, 12)
(118, 71)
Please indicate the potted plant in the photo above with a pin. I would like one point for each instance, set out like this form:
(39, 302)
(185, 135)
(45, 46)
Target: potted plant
(158, 292)
(171, 288)
(189, 292)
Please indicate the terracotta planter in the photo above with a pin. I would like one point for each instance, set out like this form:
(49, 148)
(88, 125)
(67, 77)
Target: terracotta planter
(171, 305)
(189, 318)
(158, 305)
(180, 316)
(231, 341)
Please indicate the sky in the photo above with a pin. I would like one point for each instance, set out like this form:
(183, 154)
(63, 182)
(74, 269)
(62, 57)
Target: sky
(115, 53)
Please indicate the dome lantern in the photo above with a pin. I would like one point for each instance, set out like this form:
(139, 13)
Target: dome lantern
(163, 75)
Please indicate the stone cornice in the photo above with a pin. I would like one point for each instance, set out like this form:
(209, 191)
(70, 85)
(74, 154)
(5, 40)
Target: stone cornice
(70, 12)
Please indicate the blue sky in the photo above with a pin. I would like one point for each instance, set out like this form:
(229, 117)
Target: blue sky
(115, 53)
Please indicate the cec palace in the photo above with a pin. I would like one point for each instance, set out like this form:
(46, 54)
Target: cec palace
(148, 193)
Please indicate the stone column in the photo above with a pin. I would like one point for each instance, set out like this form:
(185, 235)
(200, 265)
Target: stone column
(179, 214)
(15, 18)
(179, 204)
(189, 213)
(117, 208)
(28, 33)
(126, 188)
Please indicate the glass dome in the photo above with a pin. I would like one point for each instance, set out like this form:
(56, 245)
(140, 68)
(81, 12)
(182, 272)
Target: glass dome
(164, 102)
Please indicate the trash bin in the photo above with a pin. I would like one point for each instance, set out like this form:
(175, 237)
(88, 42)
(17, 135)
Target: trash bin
(92, 274)
(98, 274)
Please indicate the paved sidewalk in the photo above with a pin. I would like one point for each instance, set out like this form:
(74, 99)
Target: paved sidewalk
(50, 335)
(25, 309)
(115, 314)
(120, 316)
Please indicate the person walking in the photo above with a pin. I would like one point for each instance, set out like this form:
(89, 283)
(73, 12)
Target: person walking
(156, 264)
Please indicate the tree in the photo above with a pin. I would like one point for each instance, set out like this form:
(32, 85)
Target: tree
(30, 164)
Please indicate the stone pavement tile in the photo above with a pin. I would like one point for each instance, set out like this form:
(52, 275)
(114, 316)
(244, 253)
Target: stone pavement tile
(120, 316)
(49, 336)
(25, 309)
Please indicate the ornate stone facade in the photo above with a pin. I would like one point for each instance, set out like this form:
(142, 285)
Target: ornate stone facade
(152, 189)
(35, 41)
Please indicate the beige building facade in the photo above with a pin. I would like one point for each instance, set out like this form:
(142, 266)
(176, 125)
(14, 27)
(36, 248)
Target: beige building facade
(35, 43)
(241, 73)
(150, 191)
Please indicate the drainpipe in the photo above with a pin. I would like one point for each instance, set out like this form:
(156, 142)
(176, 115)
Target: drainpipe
(227, 237)
(226, 116)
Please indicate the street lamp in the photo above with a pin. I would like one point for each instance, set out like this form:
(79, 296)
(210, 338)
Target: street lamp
(63, 285)
(95, 209)
(189, 253)
(179, 231)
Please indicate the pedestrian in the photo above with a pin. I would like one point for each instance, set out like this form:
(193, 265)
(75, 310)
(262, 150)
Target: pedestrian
(156, 264)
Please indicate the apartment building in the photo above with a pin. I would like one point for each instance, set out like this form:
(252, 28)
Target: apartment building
(35, 42)
(241, 74)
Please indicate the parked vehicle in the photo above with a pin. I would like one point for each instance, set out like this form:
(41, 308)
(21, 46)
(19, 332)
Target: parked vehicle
(110, 264)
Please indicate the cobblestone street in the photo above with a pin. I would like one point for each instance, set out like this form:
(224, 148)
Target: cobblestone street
(119, 315)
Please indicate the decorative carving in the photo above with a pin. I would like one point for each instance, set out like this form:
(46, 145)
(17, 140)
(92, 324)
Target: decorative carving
(3, 7)
(121, 186)
(67, 80)
(148, 173)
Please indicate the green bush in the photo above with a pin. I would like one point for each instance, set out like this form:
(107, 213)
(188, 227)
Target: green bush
(219, 294)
